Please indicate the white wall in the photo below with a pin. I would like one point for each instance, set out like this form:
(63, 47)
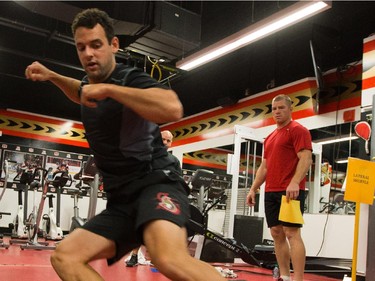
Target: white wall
(216, 220)
(338, 236)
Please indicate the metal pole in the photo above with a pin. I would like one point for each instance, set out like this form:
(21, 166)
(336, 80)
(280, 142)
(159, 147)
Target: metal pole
(370, 269)
(94, 186)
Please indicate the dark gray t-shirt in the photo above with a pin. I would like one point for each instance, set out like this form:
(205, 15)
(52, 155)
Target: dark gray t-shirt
(125, 145)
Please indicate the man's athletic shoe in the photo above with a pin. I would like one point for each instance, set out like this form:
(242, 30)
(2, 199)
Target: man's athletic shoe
(133, 261)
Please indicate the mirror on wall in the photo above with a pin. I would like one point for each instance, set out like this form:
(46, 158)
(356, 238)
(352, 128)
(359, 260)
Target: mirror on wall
(338, 143)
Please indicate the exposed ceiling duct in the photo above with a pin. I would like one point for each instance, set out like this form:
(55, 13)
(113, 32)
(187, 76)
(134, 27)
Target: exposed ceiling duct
(160, 29)
(66, 13)
(176, 32)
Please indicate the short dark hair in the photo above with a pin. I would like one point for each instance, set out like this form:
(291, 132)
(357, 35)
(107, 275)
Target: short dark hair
(285, 98)
(89, 18)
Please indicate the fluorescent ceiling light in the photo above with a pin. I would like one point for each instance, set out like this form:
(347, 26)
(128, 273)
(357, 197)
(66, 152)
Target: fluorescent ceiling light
(336, 139)
(282, 19)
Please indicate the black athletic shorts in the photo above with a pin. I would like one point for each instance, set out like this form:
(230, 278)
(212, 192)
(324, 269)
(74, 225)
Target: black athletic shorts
(272, 203)
(162, 195)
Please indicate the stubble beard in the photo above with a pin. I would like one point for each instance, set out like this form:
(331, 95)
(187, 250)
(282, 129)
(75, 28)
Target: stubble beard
(100, 75)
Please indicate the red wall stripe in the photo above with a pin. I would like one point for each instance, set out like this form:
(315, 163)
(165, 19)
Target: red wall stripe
(369, 46)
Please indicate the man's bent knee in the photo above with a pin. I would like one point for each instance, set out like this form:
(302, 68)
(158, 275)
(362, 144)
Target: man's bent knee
(162, 260)
(63, 257)
(60, 260)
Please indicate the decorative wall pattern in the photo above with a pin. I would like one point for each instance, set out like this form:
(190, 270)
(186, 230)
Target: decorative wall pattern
(368, 77)
(217, 159)
(342, 89)
(340, 92)
(42, 128)
(254, 112)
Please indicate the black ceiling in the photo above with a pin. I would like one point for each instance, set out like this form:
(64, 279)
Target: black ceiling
(32, 31)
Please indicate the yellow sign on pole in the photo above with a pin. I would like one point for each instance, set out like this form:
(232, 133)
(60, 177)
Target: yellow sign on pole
(360, 185)
(360, 181)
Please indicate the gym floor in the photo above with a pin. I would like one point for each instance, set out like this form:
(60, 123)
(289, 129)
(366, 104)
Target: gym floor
(33, 265)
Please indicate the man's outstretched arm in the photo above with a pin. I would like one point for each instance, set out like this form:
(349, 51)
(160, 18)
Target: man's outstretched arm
(70, 86)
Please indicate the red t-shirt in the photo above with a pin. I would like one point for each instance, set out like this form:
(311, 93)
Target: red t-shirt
(280, 151)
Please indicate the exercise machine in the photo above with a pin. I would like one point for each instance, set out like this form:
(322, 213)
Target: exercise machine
(2, 243)
(6, 176)
(89, 179)
(201, 182)
(18, 226)
(199, 219)
(51, 221)
(77, 221)
(198, 224)
(31, 178)
(51, 229)
(25, 177)
(32, 224)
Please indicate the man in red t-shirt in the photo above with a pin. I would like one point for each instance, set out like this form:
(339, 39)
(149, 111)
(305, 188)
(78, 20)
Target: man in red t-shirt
(287, 158)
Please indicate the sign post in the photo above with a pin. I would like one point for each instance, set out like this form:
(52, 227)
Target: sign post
(360, 185)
